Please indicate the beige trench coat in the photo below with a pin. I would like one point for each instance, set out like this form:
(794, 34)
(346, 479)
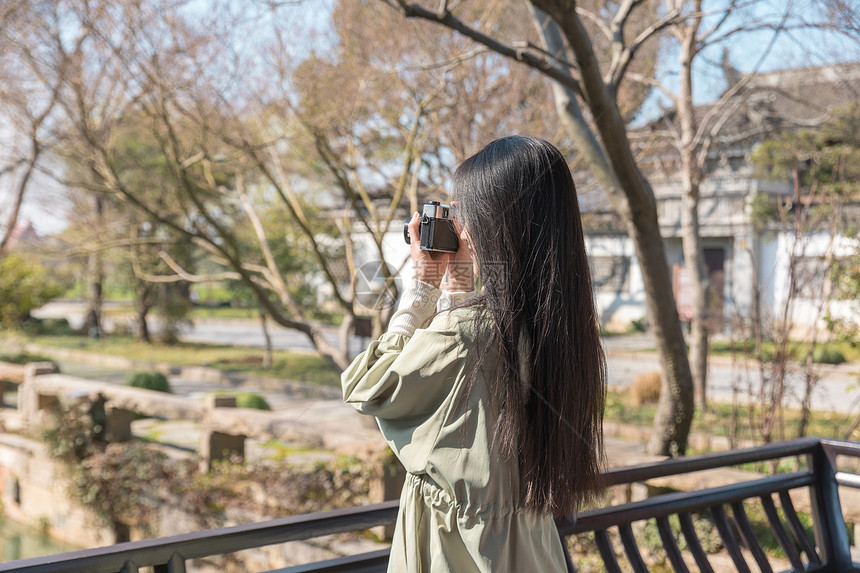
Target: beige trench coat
(458, 509)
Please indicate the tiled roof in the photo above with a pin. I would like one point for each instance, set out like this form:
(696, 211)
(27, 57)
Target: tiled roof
(769, 103)
(794, 98)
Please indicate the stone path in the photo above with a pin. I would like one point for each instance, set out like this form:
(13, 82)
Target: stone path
(336, 423)
(331, 426)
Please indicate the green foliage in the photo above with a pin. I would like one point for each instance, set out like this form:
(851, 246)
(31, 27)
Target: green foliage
(287, 365)
(844, 345)
(763, 211)
(172, 305)
(25, 285)
(71, 437)
(827, 157)
(717, 419)
(127, 482)
(710, 539)
(149, 381)
(343, 482)
(26, 358)
(248, 400)
(826, 354)
(299, 366)
(120, 482)
(58, 326)
(215, 294)
(251, 400)
(764, 532)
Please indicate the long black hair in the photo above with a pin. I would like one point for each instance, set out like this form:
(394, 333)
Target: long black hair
(518, 203)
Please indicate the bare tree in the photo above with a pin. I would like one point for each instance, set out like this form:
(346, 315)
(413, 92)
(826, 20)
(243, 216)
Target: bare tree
(245, 167)
(602, 137)
(695, 131)
(844, 16)
(27, 104)
(817, 227)
(589, 91)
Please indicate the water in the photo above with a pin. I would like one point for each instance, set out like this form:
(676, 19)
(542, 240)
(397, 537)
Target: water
(18, 541)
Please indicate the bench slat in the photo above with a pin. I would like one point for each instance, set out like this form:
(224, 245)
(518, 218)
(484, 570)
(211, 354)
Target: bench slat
(693, 544)
(671, 546)
(797, 528)
(749, 538)
(372, 562)
(787, 544)
(632, 549)
(604, 545)
(728, 538)
(667, 504)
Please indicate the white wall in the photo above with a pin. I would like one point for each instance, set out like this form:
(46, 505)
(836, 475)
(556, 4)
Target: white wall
(807, 311)
(618, 309)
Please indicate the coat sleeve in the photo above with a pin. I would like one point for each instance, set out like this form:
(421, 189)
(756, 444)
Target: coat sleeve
(405, 379)
(408, 369)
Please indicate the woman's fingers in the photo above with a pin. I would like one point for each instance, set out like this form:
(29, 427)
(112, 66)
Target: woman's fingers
(414, 234)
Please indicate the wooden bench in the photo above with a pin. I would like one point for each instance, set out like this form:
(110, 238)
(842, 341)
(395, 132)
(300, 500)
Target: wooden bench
(616, 530)
(815, 475)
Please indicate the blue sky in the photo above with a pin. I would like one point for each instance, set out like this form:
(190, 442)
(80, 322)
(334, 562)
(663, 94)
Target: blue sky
(759, 51)
(312, 19)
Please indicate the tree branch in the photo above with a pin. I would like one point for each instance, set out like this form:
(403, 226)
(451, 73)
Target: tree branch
(621, 62)
(545, 66)
(733, 91)
(595, 19)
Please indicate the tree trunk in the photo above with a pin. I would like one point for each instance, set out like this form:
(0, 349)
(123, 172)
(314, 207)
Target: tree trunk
(267, 353)
(691, 241)
(810, 381)
(691, 174)
(143, 305)
(95, 276)
(675, 408)
(638, 209)
(12, 219)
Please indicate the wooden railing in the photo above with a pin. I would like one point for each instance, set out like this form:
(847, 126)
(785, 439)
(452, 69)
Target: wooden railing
(816, 477)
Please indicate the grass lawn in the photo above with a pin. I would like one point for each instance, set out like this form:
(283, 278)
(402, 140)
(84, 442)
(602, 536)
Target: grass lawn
(796, 350)
(314, 369)
(223, 312)
(288, 365)
(718, 419)
(218, 312)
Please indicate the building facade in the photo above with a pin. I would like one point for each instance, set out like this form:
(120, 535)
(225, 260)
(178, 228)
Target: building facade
(747, 256)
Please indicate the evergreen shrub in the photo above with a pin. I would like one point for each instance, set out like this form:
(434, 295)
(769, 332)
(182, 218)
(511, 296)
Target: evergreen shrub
(149, 381)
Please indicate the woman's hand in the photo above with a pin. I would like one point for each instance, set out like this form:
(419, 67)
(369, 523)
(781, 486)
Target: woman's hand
(429, 266)
(461, 275)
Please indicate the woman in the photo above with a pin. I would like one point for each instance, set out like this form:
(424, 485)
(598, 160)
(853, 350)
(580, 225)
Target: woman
(495, 404)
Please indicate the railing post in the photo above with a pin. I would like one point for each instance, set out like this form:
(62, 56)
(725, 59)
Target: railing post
(831, 535)
(119, 424)
(29, 401)
(214, 445)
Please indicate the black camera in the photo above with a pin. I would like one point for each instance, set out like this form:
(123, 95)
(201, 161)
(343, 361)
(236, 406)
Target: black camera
(437, 230)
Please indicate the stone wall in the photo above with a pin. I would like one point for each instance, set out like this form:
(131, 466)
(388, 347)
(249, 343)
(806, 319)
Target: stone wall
(34, 488)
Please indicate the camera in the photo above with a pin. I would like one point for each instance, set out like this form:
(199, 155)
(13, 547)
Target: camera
(437, 230)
